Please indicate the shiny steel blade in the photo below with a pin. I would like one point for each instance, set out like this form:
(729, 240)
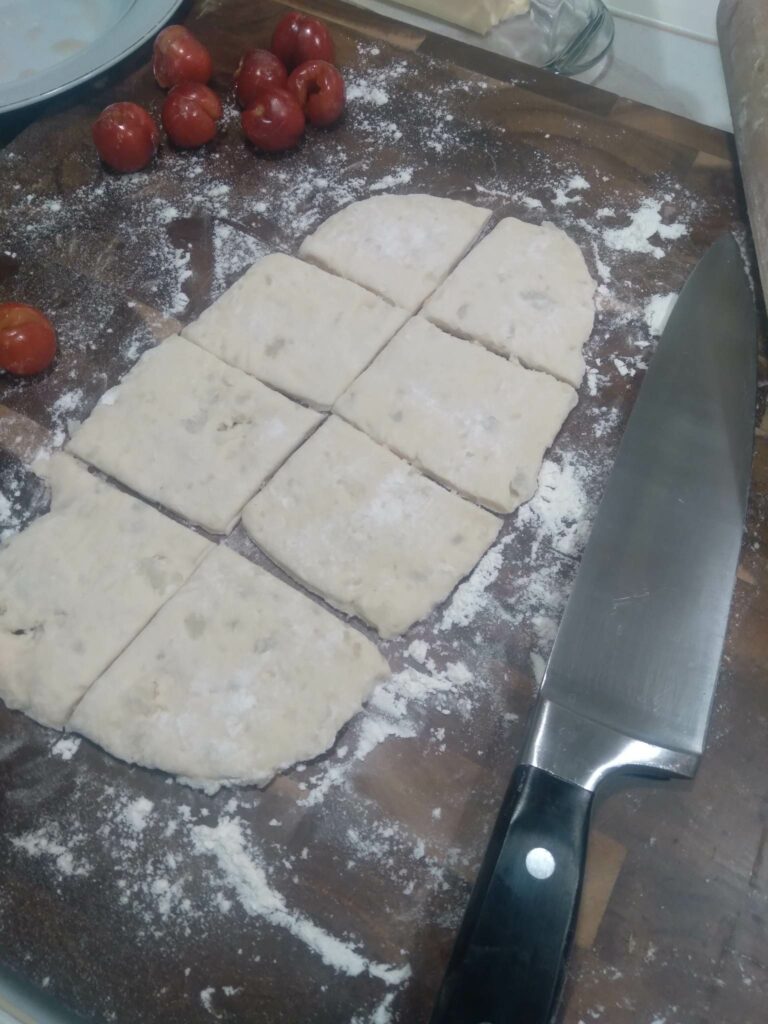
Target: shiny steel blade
(639, 644)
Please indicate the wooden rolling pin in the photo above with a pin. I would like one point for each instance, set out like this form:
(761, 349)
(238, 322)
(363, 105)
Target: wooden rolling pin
(742, 28)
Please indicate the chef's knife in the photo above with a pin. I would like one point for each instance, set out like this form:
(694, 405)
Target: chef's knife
(631, 677)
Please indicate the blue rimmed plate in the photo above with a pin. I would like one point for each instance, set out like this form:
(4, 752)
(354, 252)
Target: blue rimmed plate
(47, 48)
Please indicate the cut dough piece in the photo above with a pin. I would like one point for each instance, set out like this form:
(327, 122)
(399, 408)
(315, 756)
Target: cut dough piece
(467, 417)
(297, 328)
(525, 291)
(237, 677)
(78, 585)
(192, 434)
(477, 15)
(360, 527)
(401, 247)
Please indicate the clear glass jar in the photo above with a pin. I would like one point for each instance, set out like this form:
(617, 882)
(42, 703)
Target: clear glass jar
(566, 36)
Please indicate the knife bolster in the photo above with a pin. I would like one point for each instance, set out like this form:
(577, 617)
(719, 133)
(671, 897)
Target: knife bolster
(580, 750)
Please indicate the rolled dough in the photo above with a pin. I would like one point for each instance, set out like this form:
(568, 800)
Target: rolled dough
(467, 417)
(359, 526)
(524, 291)
(78, 585)
(236, 677)
(191, 433)
(303, 331)
(401, 247)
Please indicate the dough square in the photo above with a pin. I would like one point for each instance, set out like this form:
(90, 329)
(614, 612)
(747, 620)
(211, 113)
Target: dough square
(524, 291)
(400, 247)
(297, 328)
(470, 419)
(236, 678)
(359, 526)
(191, 433)
(77, 586)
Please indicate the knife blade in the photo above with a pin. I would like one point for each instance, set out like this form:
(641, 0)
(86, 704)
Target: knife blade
(631, 677)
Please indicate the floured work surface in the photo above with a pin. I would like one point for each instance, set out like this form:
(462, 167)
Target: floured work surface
(332, 895)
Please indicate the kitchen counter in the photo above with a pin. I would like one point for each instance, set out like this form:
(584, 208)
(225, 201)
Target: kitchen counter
(675, 912)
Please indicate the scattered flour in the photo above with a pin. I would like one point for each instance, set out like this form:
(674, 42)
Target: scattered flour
(560, 510)
(49, 842)
(66, 747)
(390, 181)
(381, 1015)
(645, 222)
(603, 270)
(577, 183)
(392, 712)
(364, 92)
(594, 380)
(657, 312)
(226, 843)
(606, 420)
(471, 595)
(418, 650)
(563, 195)
(137, 813)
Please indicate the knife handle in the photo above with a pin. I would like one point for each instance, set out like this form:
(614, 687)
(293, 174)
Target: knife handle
(508, 961)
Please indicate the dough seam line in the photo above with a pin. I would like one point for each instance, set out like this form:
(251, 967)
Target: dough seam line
(485, 230)
(489, 347)
(220, 540)
(493, 221)
(177, 517)
(294, 578)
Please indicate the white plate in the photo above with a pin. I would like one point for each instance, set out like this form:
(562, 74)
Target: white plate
(48, 46)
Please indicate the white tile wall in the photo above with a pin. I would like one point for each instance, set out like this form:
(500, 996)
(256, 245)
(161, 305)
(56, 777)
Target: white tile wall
(675, 68)
(693, 17)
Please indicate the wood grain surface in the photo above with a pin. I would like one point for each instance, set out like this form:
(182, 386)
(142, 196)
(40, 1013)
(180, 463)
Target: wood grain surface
(673, 923)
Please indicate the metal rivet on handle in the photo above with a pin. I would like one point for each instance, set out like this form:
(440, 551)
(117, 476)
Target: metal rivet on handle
(540, 863)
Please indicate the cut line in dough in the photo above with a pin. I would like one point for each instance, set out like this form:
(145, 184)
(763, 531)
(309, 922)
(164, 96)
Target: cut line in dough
(473, 420)
(524, 292)
(401, 247)
(297, 328)
(192, 434)
(78, 584)
(360, 527)
(237, 677)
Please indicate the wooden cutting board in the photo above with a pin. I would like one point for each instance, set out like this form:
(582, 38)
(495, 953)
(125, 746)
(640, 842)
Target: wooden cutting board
(331, 897)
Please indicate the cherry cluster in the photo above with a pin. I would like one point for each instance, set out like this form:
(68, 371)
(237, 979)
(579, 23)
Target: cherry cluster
(280, 90)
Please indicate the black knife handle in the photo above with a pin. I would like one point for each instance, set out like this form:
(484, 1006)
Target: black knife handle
(508, 961)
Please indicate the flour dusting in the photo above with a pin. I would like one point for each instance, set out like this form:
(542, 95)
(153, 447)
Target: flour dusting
(393, 712)
(471, 595)
(657, 311)
(66, 747)
(49, 843)
(645, 222)
(226, 843)
(560, 510)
